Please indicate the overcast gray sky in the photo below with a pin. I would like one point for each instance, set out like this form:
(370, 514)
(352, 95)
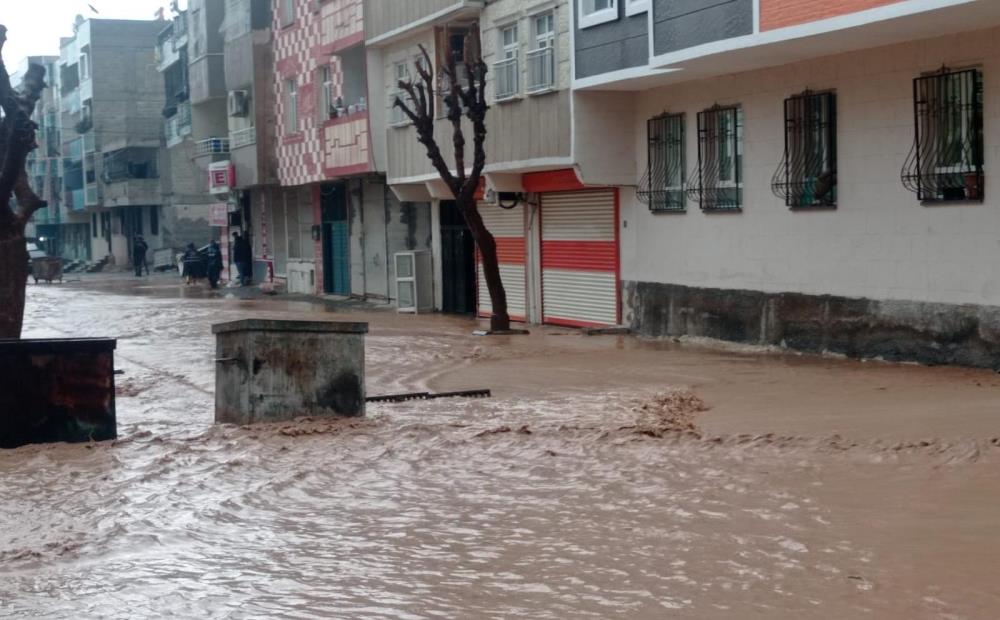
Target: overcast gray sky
(34, 26)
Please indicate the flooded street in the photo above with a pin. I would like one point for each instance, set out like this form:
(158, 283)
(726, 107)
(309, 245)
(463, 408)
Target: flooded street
(608, 477)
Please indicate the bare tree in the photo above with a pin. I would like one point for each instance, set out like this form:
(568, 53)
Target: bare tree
(461, 101)
(17, 140)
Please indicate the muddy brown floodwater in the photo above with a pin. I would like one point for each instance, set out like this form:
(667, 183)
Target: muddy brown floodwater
(608, 478)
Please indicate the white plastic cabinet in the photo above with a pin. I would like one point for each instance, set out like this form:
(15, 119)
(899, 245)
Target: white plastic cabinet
(414, 281)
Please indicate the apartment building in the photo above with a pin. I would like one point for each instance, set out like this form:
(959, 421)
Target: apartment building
(333, 226)
(799, 173)
(111, 101)
(250, 106)
(44, 163)
(189, 43)
(531, 187)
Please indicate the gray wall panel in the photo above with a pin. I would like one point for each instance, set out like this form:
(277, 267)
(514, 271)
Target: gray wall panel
(620, 44)
(680, 24)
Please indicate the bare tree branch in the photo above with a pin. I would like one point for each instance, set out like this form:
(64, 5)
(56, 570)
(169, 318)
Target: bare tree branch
(462, 102)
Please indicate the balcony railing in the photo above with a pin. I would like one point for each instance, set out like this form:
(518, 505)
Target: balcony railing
(211, 146)
(71, 101)
(506, 72)
(396, 116)
(92, 196)
(541, 69)
(243, 137)
(178, 125)
(89, 142)
(76, 199)
(74, 150)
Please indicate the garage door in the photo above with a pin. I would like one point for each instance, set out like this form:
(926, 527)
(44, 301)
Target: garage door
(580, 258)
(507, 226)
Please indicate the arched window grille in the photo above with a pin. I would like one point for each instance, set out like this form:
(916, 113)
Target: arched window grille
(662, 187)
(718, 182)
(946, 161)
(807, 175)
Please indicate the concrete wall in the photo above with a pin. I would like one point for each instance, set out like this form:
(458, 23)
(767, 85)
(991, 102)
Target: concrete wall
(128, 94)
(879, 243)
(679, 24)
(612, 46)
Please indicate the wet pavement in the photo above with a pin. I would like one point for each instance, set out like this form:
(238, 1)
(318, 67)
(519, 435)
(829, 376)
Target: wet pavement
(609, 477)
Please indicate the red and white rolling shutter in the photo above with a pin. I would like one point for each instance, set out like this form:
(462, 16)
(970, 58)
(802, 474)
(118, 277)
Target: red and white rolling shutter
(580, 258)
(507, 226)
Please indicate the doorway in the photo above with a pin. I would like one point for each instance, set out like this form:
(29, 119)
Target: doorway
(458, 262)
(336, 240)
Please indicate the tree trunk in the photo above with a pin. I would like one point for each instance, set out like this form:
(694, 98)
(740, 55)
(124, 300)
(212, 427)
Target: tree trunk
(13, 278)
(487, 244)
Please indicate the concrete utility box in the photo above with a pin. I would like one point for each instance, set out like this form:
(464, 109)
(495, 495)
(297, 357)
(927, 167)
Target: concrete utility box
(273, 370)
(57, 390)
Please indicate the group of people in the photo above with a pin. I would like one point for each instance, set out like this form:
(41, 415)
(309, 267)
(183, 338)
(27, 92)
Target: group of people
(205, 263)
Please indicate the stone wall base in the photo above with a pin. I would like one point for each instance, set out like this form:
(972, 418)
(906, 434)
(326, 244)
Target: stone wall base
(929, 333)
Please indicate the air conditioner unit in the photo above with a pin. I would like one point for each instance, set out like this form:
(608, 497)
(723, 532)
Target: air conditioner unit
(239, 103)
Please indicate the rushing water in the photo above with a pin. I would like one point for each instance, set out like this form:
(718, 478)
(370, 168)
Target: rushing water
(584, 494)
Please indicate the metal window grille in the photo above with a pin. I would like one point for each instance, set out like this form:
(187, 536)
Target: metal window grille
(946, 161)
(662, 187)
(506, 72)
(541, 69)
(807, 176)
(717, 184)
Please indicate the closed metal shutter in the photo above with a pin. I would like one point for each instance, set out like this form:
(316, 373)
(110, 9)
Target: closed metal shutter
(580, 258)
(507, 226)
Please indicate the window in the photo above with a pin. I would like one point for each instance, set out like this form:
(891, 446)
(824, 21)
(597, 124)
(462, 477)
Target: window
(327, 108)
(807, 175)
(154, 220)
(594, 12)
(455, 46)
(662, 187)
(401, 73)
(287, 12)
(946, 161)
(291, 107)
(506, 69)
(718, 184)
(541, 59)
(93, 225)
(84, 67)
(634, 7)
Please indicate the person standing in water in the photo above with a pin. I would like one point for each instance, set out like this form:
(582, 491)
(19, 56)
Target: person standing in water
(139, 249)
(214, 266)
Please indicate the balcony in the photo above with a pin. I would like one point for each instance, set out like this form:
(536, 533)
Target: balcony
(211, 146)
(207, 78)
(76, 199)
(243, 137)
(178, 125)
(71, 102)
(506, 72)
(128, 192)
(541, 70)
(89, 142)
(170, 42)
(92, 196)
(74, 150)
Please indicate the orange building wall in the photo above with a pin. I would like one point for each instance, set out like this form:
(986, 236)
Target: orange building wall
(782, 13)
